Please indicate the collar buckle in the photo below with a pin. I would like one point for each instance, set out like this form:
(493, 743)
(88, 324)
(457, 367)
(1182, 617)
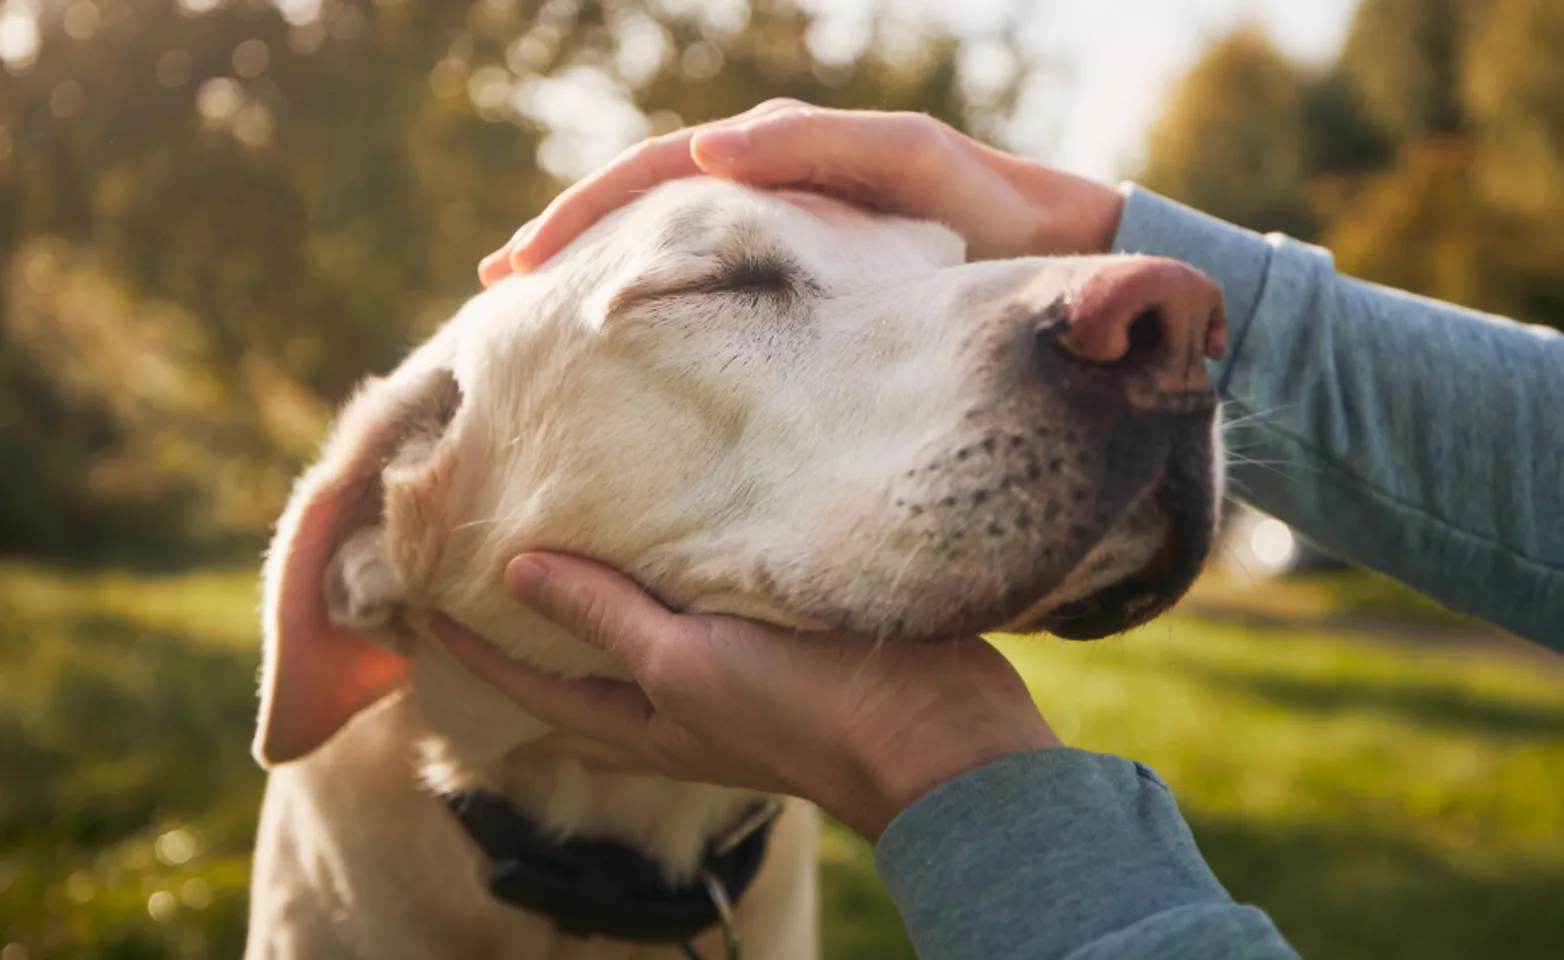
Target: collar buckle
(762, 815)
(718, 892)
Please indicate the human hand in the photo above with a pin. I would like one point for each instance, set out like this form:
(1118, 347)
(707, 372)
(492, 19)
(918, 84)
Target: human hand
(904, 163)
(861, 729)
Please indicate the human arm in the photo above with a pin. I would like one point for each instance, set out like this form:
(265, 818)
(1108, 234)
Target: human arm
(993, 839)
(1411, 436)
(1062, 854)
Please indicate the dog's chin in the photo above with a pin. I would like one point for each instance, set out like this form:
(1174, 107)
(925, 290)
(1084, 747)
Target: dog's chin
(1143, 589)
(1128, 602)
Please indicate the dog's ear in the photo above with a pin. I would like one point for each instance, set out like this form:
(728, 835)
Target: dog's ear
(360, 525)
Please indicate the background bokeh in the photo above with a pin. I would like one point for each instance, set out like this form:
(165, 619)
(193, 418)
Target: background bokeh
(216, 216)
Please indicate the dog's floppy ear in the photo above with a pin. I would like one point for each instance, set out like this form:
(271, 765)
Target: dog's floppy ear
(358, 528)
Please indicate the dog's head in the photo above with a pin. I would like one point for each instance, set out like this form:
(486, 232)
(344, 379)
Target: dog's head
(770, 405)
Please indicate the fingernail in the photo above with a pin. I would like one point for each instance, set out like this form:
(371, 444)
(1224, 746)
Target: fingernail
(486, 266)
(728, 144)
(526, 578)
(511, 252)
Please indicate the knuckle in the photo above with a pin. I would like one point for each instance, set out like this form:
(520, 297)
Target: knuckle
(637, 152)
(641, 153)
(664, 140)
(705, 632)
(676, 662)
(790, 117)
(781, 103)
(917, 128)
(702, 662)
(658, 670)
(801, 113)
(923, 140)
(594, 615)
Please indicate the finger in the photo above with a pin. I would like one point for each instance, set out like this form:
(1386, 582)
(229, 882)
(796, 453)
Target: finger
(584, 203)
(897, 154)
(595, 604)
(497, 264)
(633, 172)
(607, 709)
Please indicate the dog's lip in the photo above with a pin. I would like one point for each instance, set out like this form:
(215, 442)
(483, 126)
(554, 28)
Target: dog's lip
(1131, 599)
(1160, 565)
(1149, 591)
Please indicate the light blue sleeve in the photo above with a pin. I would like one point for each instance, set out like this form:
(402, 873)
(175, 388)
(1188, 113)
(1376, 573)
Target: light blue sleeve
(1062, 854)
(1415, 438)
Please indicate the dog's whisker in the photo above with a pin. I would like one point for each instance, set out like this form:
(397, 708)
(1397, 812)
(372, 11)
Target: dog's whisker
(1271, 467)
(1255, 416)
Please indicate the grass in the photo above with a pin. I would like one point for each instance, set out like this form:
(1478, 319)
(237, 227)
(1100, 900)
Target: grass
(1397, 797)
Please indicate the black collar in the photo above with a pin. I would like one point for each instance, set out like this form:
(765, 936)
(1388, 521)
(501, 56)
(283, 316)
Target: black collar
(606, 888)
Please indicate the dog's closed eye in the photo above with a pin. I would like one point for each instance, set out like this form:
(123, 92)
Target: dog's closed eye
(761, 276)
(769, 275)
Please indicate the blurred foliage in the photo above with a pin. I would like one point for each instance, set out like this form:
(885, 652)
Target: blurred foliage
(130, 799)
(1429, 156)
(1234, 137)
(216, 216)
(1380, 797)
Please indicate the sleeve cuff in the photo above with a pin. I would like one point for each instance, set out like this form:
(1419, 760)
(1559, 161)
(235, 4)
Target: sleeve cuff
(1064, 846)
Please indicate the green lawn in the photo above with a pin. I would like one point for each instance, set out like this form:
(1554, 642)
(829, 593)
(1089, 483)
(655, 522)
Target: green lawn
(1379, 797)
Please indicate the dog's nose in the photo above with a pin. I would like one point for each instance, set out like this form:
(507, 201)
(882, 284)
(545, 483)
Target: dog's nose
(1145, 323)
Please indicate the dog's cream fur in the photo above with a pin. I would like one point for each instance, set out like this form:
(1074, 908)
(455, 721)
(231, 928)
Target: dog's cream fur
(761, 404)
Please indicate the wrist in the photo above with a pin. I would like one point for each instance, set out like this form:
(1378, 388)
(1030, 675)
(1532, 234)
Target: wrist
(1074, 215)
(895, 774)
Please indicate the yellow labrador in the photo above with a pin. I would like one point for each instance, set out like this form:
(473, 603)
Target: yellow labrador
(763, 404)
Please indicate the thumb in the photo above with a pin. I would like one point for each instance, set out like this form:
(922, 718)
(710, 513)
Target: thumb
(895, 156)
(596, 604)
(608, 709)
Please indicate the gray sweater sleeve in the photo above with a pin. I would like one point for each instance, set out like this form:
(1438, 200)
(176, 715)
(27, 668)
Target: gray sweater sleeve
(1062, 854)
(1407, 435)
(1413, 437)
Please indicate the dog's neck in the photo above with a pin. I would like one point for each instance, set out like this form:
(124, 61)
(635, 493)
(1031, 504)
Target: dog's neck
(581, 787)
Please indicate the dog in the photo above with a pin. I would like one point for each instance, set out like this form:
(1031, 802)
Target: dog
(765, 404)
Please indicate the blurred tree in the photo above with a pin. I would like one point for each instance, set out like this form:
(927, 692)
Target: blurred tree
(1430, 156)
(1232, 139)
(255, 203)
(1340, 138)
(1514, 88)
(1419, 227)
(1405, 57)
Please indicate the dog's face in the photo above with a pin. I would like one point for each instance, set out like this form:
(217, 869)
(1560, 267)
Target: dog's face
(770, 405)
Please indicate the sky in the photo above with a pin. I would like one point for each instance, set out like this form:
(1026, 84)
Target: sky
(1120, 57)
(1127, 55)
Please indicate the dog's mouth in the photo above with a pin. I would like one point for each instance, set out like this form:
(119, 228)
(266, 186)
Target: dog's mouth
(1091, 534)
(1188, 505)
(1139, 597)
